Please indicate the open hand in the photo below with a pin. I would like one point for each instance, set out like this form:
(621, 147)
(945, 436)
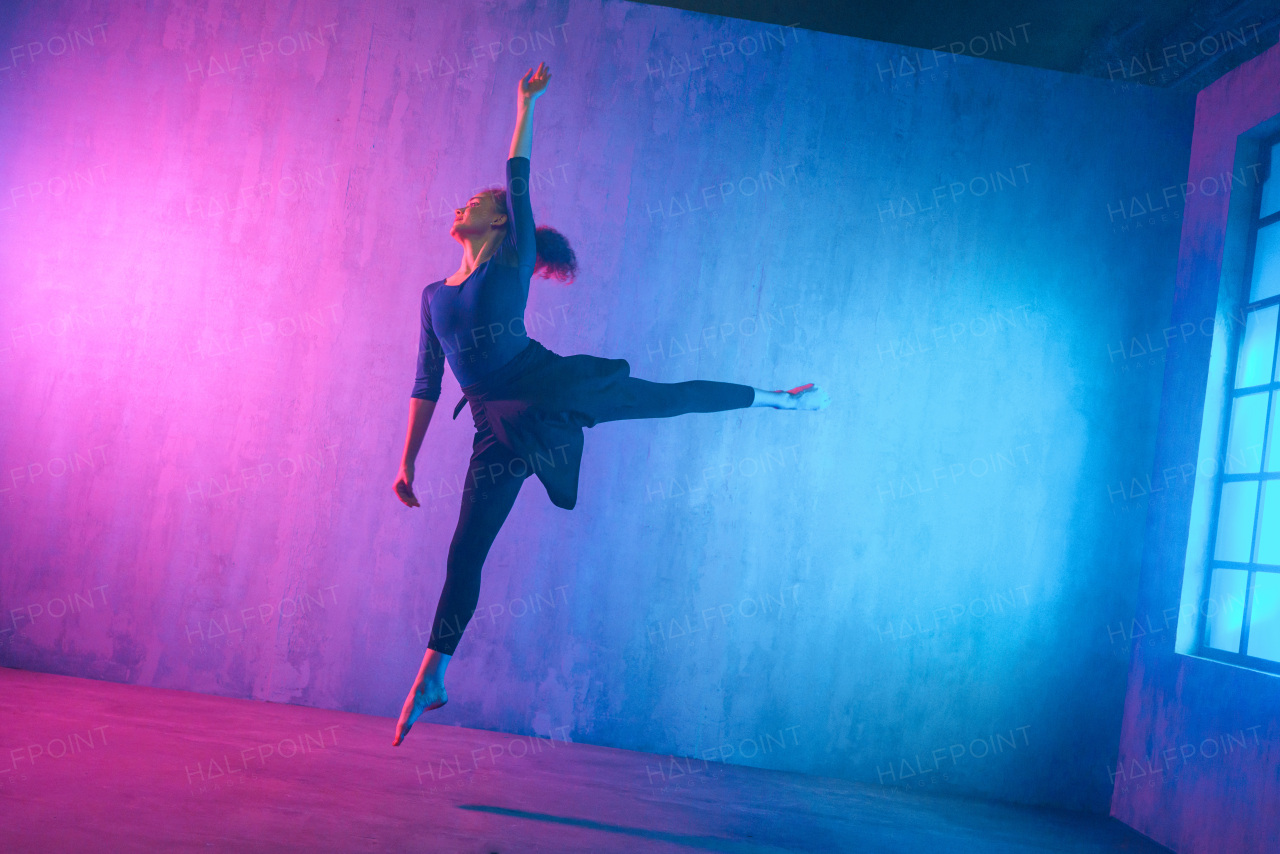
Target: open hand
(534, 82)
(404, 486)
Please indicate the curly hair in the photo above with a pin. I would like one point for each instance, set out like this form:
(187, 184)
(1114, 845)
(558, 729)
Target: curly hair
(556, 259)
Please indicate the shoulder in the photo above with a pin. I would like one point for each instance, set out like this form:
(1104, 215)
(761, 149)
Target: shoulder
(427, 291)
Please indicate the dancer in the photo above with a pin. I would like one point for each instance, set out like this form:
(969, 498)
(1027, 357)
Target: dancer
(529, 404)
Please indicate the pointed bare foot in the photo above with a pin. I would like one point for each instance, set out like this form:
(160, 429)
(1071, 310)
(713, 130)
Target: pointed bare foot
(812, 398)
(426, 694)
(807, 397)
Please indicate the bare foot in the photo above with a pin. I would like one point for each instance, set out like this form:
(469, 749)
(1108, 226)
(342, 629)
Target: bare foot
(812, 398)
(426, 694)
(806, 397)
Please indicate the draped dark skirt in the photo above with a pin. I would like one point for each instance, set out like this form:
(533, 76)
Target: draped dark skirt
(530, 412)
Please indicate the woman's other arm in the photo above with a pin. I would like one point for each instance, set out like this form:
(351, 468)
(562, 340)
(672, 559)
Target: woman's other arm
(419, 417)
(422, 403)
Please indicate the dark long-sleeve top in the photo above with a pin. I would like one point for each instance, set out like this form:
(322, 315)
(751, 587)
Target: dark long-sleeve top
(478, 326)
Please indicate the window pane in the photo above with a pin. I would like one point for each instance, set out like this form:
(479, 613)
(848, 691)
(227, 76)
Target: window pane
(1269, 524)
(1244, 442)
(1257, 347)
(1266, 264)
(1264, 616)
(1273, 451)
(1224, 612)
(1235, 521)
(1271, 187)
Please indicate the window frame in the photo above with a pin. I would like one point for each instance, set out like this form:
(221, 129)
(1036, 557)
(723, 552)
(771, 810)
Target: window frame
(1240, 657)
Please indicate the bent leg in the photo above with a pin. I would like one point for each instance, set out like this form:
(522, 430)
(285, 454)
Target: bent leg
(637, 398)
(490, 491)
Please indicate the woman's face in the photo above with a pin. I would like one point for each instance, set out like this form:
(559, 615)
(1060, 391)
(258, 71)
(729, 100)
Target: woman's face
(477, 217)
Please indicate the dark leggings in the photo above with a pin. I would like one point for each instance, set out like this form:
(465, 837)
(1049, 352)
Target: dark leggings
(486, 500)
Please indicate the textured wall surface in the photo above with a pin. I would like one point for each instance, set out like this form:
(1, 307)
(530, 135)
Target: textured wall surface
(1199, 762)
(216, 223)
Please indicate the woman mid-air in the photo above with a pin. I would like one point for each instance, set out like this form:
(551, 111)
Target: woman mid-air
(529, 404)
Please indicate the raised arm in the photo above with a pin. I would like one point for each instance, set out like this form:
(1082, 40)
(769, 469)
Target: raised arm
(531, 87)
(520, 239)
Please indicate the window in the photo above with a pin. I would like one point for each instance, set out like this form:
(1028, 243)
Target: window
(1240, 595)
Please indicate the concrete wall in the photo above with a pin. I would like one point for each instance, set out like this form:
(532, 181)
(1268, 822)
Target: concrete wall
(217, 225)
(1200, 749)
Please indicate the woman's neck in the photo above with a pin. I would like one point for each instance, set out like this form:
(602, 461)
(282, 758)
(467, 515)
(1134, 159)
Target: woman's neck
(476, 251)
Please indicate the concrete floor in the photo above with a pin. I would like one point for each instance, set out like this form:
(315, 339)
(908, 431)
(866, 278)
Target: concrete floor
(90, 766)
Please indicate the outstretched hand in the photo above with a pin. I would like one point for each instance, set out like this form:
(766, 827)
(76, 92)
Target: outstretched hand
(534, 82)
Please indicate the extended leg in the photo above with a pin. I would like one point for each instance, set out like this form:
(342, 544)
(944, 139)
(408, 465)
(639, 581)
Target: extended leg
(637, 398)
